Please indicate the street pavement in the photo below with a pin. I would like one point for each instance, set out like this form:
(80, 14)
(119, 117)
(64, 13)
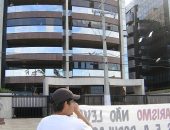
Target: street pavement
(20, 124)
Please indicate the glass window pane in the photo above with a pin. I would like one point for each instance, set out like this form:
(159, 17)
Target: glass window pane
(89, 65)
(21, 50)
(94, 31)
(96, 90)
(28, 8)
(34, 21)
(21, 29)
(91, 11)
(82, 65)
(76, 65)
(96, 73)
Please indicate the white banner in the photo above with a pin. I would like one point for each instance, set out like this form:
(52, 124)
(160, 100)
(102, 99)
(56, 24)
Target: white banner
(128, 117)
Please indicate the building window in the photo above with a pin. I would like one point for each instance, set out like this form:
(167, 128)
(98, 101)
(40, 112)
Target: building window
(89, 65)
(91, 4)
(95, 66)
(82, 30)
(34, 21)
(89, 24)
(94, 24)
(82, 65)
(28, 8)
(76, 65)
(85, 10)
(23, 29)
(112, 27)
(114, 67)
(96, 89)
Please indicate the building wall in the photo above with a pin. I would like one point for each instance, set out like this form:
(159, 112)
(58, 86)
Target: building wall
(148, 37)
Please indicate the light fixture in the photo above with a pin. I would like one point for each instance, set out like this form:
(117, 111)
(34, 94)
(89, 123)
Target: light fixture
(150, 34)
(140, 39)
(158, 59)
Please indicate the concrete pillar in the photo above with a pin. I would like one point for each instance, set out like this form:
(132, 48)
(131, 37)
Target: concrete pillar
(122, 39)
(45, 87)
(45, 93)
(139, 90)
(6, 105)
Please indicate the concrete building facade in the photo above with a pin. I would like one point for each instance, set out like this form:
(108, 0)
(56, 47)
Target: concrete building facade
(62, 41)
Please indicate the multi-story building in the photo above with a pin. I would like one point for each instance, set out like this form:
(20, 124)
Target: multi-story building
(62, 39)
(148, 42)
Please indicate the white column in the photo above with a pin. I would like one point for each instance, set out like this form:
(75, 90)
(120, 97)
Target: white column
(121, 6)
(140, 90)
(45, 86)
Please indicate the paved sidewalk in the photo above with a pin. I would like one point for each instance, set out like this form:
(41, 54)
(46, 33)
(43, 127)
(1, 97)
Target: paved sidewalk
(20, 124)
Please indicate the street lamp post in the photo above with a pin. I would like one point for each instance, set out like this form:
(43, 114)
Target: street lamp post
(1, 34)
(3, 13)
(122, 40)
(67, 42)
(107, 100)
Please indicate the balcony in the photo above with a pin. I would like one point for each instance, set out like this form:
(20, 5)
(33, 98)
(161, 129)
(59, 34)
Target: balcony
(130, 18)
(130, 41)
(38, 60)
(130, 29)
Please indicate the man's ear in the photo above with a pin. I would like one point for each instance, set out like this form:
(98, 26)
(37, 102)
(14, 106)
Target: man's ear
(65, 103)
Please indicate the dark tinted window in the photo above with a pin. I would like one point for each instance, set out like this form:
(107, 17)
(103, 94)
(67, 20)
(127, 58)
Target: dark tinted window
(93, 24)
(95, 65)
(34, 21)
(94, 4)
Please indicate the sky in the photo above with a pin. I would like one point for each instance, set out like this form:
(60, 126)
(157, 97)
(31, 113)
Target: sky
(127, 2)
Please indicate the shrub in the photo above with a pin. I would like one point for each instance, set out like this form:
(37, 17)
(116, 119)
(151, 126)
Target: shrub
(4, 90)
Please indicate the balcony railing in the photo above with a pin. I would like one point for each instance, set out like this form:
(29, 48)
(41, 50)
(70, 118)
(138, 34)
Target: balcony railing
(125, 100)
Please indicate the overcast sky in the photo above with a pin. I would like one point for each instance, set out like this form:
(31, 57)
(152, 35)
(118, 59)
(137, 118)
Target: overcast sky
(127, 2)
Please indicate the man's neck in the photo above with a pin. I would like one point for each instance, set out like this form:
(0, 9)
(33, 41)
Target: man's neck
(61, 113)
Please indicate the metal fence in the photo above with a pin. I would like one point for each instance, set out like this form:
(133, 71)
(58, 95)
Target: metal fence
(39, 106)
(30, 106)
(125, 100)
(29, 101)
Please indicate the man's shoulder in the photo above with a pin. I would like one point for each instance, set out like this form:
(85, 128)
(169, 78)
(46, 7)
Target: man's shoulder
(80, 123)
